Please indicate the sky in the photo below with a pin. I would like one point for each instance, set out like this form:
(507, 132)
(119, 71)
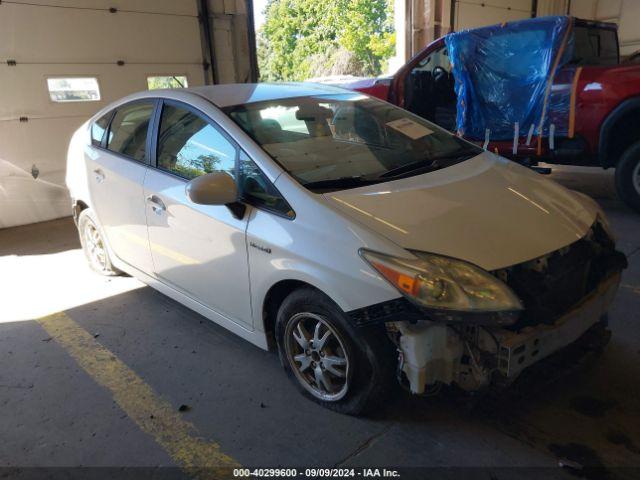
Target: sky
(258, 17)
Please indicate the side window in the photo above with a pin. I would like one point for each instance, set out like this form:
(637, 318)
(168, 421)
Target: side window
(98, 128)
(189, 146)
(256, 189)
(128, 132)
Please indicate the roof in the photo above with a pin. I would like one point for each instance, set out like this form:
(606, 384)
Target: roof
(241, 93)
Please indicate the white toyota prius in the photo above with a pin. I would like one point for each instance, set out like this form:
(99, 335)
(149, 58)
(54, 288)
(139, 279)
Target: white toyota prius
(362, 242)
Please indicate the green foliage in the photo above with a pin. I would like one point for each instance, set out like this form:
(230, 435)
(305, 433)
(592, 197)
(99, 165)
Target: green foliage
(155, 83)
(192, 168)
(305, 38)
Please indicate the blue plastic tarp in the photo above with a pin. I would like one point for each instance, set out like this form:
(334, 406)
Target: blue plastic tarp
(502, 75)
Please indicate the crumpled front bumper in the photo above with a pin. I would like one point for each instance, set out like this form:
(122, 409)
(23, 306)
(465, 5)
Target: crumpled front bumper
(519, 350)
(469, 356)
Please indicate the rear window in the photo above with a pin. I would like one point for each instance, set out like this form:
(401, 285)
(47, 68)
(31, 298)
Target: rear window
(595, 46)
(98, 128)
(128, 131)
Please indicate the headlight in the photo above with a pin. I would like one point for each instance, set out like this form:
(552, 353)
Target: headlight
(451, 289)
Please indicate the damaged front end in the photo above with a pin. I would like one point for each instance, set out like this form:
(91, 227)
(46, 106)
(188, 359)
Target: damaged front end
(562, 295)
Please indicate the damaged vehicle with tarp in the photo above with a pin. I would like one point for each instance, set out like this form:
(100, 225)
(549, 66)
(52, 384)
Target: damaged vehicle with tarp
(549, 89)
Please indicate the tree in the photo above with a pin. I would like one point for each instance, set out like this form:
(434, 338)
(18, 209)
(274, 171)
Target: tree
(305, 38)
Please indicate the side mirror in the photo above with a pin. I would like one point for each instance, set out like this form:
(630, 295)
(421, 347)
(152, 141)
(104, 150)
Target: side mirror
(217, 188)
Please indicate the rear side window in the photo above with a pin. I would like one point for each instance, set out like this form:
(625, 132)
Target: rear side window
(98, 129)
(128, 132)
(189, 146)
(595, 46)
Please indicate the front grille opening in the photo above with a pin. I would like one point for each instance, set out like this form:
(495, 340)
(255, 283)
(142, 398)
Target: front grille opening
(551, 285)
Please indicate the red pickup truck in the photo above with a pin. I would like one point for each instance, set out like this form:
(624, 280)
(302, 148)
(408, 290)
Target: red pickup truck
(604, 122)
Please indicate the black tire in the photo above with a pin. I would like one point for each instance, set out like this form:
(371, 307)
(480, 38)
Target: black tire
(371, 357)
(628, 176)
(88, 226)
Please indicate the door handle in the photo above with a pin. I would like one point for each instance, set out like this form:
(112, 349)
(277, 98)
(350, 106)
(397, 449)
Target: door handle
(99, 175)
(157, 205)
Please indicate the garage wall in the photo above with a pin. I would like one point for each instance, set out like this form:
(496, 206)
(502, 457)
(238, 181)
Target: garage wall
(119, 42)
(626, 13)
(478, 13)
(233, 40)
(419, 22)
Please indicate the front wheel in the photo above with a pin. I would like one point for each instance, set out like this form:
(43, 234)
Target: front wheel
(345, 368)
(628, 176)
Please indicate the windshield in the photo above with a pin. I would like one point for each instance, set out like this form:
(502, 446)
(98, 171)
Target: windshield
(333, 142)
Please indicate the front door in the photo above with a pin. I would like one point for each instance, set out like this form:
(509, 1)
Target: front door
(200, 250)
(117, 166)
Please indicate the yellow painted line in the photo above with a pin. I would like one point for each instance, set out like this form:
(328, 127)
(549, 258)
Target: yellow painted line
(148, 410)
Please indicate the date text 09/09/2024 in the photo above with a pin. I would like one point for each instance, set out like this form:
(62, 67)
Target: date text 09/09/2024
(316, 473)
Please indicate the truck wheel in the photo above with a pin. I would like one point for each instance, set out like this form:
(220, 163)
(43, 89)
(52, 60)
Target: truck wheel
(342, 367)
(628, 176)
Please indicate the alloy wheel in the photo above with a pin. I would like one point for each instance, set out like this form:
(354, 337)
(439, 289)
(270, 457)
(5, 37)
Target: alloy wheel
(317, 356)
(95, 247)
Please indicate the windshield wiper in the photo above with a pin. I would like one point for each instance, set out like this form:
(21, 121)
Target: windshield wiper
(342, 182)
(424, 164)
(427, 164)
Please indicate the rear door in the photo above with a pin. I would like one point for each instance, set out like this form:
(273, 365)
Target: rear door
(199, 250)
(117, 168)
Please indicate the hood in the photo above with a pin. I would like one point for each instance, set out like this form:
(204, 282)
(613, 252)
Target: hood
(488, 211)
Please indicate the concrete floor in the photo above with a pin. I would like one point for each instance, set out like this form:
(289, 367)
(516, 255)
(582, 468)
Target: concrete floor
(55, 413)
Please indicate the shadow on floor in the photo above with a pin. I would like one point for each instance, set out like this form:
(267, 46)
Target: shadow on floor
(40, 238)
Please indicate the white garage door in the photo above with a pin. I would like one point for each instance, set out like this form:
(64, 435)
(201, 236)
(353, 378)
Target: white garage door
(76, 47)
(478, 13)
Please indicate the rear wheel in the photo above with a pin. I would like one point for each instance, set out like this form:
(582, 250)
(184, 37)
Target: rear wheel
(628, 176)
(345, 368)
(93, 244)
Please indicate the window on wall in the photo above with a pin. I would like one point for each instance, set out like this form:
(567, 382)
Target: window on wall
(189, 146)
(73, 89)
(167, 81)
(128, 131)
